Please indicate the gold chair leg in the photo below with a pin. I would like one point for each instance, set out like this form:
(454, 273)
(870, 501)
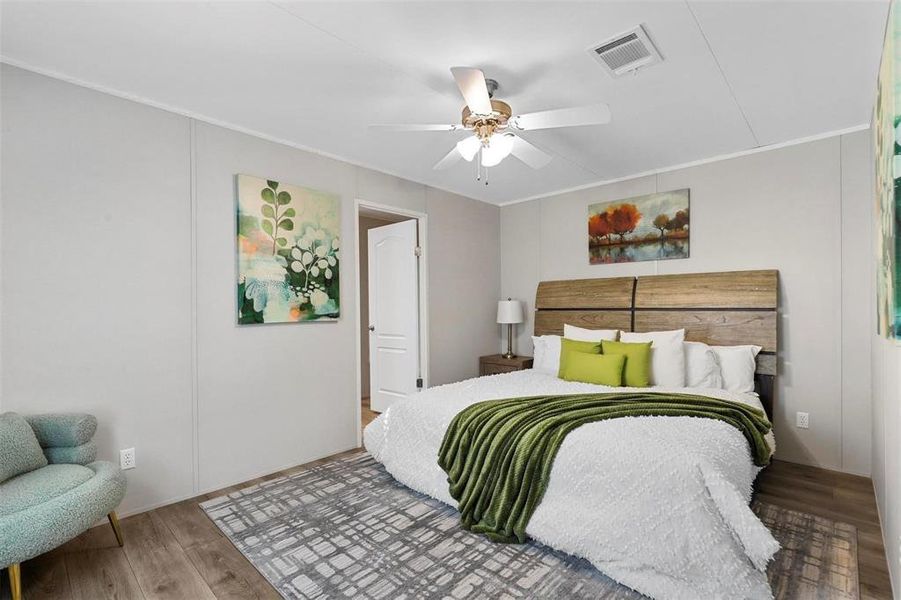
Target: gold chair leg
(15, 581)
(114, 521)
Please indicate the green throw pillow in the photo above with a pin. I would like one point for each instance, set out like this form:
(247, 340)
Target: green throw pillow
(20, 451)
(595, 368)
(638, 361)
(569, 347)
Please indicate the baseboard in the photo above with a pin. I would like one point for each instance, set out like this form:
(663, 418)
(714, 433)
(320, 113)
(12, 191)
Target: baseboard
(182, 498)
(896, 593)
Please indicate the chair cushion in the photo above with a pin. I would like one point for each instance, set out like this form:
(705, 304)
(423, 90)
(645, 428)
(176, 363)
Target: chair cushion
(20, 451)
(39, 486)
(43, 527)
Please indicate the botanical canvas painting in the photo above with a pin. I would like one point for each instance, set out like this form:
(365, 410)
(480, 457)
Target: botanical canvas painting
(887, 134)
(651, 227)
(288, 252)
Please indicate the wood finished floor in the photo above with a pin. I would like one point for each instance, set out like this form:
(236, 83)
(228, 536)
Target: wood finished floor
(175, 552)
(368, 414)
(837, 496)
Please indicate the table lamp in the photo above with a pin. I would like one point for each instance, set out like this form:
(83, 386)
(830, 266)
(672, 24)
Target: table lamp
(509, 312)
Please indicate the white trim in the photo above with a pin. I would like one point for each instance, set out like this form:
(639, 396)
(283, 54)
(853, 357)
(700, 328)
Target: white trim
(216, 122)
(695, 163)
(195, 378)
(422, 226)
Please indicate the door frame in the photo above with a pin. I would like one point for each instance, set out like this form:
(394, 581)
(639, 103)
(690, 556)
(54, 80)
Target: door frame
(422, 233)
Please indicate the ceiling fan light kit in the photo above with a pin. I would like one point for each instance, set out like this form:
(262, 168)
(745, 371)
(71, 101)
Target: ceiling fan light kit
(497, 149)
(469, 147)
(491, 121)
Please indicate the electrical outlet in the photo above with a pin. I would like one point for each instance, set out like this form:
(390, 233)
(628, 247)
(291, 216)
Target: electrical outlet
(803, 421)
(127, 458)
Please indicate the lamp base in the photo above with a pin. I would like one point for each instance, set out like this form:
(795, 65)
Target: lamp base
(509, 353)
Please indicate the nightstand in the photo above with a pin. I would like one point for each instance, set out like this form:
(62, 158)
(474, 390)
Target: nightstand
(495, 363)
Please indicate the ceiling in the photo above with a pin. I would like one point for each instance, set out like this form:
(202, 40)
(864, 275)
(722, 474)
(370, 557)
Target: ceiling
(735, 75)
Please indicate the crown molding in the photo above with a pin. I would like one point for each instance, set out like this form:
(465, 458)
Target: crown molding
(281, 141)
(217, 123)
(695, 163)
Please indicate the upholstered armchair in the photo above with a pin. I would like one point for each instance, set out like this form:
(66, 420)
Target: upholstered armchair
(51, 488)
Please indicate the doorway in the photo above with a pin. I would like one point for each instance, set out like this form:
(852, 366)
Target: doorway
(392, 324)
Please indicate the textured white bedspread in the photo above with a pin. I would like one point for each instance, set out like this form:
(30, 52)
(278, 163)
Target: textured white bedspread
(659, 504)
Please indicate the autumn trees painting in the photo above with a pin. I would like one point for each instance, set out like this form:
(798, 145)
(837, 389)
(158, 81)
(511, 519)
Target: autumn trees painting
(651, 227)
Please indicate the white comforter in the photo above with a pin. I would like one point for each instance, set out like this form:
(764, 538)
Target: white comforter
(659, 504)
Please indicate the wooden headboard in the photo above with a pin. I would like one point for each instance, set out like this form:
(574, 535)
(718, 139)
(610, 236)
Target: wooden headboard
(721, 309)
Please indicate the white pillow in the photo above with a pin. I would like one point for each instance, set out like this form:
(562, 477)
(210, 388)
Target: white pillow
(737, 365)
(702, 369)
(571, 332)
(547, 354)
(667, 355)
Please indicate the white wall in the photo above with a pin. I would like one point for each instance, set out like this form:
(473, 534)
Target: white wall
(887, 449)
(96, 264)
(464, 269)
(886, 426)
(801, 209)
(117, 251)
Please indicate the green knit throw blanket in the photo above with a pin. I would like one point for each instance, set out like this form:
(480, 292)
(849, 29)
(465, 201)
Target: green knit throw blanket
(498, 454)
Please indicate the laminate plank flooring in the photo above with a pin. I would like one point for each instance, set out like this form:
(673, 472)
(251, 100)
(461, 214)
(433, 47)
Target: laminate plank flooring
(175, 552)
(837, 496)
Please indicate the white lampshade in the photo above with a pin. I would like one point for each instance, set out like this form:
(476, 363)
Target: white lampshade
(509, 311)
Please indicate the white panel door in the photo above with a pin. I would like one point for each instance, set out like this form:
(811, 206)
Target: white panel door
(393, 313)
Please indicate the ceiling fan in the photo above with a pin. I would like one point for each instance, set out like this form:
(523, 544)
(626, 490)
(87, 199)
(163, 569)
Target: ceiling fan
(493, 124)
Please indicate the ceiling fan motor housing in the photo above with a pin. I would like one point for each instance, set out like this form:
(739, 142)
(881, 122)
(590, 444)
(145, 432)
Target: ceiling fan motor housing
(485, 125)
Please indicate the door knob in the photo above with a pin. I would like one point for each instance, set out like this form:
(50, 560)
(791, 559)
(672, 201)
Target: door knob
(372, 328)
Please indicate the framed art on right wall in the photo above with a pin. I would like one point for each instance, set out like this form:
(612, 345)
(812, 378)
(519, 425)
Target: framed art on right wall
(887, 134)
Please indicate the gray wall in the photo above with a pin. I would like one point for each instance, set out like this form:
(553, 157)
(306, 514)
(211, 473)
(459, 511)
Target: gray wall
(95, 253)
(801, 209)
(887, 448)
(886, 428)
(117, 252)
(463, 251)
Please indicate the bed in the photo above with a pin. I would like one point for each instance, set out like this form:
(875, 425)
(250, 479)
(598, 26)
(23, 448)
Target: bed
(659, 504)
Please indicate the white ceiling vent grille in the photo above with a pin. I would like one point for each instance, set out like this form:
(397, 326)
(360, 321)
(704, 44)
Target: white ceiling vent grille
(626, 52)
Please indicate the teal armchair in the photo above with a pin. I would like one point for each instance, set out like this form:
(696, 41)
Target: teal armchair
(51, 488)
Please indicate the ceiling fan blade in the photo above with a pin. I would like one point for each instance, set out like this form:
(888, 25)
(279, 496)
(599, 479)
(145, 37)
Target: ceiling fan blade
(452, 158)
(529, 154)
(403, 127)
(593, 114)
(472, 85)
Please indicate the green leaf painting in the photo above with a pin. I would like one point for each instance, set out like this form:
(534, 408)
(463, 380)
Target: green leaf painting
(288, 253)
(273, 219)
(887, 152)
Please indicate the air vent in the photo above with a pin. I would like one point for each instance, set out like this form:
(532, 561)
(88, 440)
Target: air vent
(626, 52)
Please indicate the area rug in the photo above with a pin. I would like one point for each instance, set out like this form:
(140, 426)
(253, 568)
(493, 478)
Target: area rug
(346, 529)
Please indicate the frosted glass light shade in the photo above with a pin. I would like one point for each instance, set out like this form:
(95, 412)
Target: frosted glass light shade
(498, 148)
(509, 311)
(469, 147)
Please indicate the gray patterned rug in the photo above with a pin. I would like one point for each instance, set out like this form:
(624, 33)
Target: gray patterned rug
(346, 529)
